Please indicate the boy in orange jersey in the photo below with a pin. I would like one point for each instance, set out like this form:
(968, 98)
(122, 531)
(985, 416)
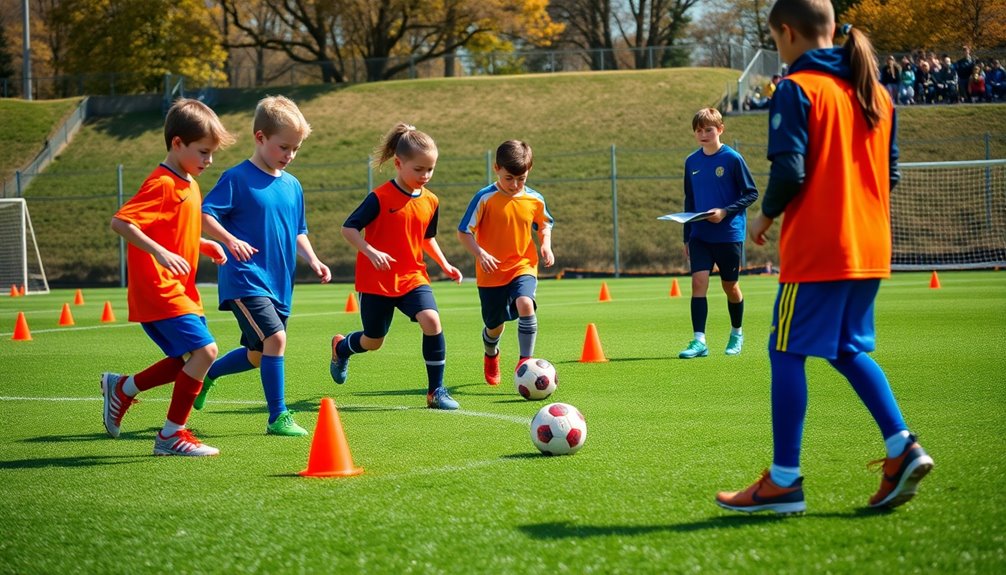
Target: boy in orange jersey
(394, 225)
(832, 144)
(498, 228)
(162, 224)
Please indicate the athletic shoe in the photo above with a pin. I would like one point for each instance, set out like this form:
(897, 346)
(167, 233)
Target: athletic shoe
(735, 344)
(765, 495)
(695, 349)
(201, 398)
(115, 402)
(491, 368)
(285, 425)
(339, 368)
(182, 443)
(441, 399)
(901, 475)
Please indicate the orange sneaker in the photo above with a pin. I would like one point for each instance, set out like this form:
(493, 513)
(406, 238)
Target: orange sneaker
(901, 475)
(764, 495)
(491, 367)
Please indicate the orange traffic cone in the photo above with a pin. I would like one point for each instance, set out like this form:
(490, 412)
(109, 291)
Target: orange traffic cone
(13, 291)
(66, 318)
(934, 281)
(592, 352)
(675, 290)
(21, 331)
(24, 289)
(351, 305)
(79, 298)
(106, 315)
(330, 455)
(605, 296)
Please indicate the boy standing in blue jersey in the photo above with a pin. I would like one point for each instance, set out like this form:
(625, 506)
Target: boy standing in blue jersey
(718, 182)
(257, 211)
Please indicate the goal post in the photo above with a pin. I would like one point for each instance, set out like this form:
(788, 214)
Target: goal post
(20, 261)
(949, 215)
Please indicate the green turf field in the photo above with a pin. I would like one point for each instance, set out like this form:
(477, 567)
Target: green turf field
(466, 492)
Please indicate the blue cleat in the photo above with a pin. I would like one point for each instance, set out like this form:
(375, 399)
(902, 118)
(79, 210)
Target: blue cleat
(441, 399)
(339, 368)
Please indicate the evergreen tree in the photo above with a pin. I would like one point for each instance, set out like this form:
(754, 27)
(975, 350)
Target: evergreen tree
(6, 61)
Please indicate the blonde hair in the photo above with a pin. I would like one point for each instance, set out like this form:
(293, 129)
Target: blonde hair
(815, 19)
(192, 120)
(274, 113)
(404, 141)
(515, 157)
(707, 117)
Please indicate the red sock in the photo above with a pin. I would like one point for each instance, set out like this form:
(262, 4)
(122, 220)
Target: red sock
(162, 372)
(182, 397)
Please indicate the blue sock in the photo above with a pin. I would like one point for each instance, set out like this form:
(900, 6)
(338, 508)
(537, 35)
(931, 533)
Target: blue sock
(527, 332)
(273, 385)
(784, 476)
(897, 443)
(873, 389)
(789, 406)
(350, 345)
(435, 354)
(235, 361)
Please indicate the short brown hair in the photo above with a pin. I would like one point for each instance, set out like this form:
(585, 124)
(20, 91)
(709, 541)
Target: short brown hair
(515, 157)
(192, 120)
(707, 117)
(274, 113)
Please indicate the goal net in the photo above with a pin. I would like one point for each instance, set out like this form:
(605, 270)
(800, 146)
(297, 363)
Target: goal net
(20, 262)
(949, 215)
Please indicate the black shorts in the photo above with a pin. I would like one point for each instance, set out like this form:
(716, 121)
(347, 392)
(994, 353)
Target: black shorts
(727, 256)
(258, 319)
(377, 311)
(499, 303)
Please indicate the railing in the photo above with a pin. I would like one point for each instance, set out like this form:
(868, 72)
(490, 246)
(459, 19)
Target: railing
(60, 137)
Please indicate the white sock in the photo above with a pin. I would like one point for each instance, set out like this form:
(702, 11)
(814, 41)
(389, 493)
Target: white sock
(784, 476)
(735, 331)
(897, 443)
(170, 428)
(701, 336)
(129, 387)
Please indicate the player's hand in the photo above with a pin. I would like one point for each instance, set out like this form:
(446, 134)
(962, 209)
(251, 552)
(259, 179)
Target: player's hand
(241, 249)
(173, 262)
(213, 251)
(718, 215)
(758, 227)
(454, 273)
(487, 262)
(322, 271)
(381, 261)
(547, 258)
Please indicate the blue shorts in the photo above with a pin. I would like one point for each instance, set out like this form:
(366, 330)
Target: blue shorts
(180, 335)
(258, 318)
(824, 319)
(499, 303)
(703, 255)
(377, 311)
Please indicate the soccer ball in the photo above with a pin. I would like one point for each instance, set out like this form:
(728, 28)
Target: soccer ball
(535, 379)
(558, 429)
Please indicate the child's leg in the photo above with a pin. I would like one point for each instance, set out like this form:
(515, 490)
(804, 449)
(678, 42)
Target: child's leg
(700, 304)
(272, 370)
(236, 360)
(789, 409)
(434, 348)
(527, 326)
(160, 373)
(871, 384)
(376, 313)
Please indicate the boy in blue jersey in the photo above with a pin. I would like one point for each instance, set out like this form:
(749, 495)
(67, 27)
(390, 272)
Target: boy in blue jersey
(257, 211)
(717, 182)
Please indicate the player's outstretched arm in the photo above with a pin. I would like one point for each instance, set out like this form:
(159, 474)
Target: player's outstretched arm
(171, 261)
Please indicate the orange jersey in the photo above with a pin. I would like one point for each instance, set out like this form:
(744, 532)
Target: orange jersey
(839, 226)
(396, 223)
(167, 208)
(504, 226)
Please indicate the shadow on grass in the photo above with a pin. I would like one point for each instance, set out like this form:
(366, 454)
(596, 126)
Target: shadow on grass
(616, 360)
(75, 461)
(141, 434)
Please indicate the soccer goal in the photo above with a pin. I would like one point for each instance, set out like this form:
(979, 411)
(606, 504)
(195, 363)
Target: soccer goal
(20, 262)
(949, 215)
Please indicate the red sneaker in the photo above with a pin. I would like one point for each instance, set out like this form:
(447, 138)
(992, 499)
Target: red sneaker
(115, 402)
(901, 475)
(764, 495)
(491, 367)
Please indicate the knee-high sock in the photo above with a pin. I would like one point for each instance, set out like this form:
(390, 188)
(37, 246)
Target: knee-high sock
(736, 313)
(700, 309)
(527, 332)
(350, 345)
(870, 383)
(273, 384)
(435, 354)
(182, 397)
(235, 361)
(789, 406)
(491, 344)
(161, 373)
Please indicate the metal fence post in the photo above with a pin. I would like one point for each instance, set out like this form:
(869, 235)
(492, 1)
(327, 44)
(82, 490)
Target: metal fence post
(614, 204)
(122, 241)
(17, 188)
(489, 167)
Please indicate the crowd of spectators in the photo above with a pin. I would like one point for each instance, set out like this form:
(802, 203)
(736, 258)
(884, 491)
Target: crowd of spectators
(925, 78)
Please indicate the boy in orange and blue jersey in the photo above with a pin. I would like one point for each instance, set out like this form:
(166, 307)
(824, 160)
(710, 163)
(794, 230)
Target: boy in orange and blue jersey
(832, 144)
(498, 228)
(162, 224)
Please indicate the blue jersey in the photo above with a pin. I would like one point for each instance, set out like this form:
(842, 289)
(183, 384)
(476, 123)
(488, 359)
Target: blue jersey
(267, 212)
(721, 180)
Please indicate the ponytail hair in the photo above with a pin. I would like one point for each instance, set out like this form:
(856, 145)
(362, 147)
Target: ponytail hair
(863, 66)
(404, 141)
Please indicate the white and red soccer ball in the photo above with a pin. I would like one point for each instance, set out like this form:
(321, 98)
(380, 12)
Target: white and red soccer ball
(535, 379)
(558, 429)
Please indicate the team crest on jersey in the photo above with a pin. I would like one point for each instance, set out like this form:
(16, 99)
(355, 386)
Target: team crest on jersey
(776, 120)
(719, 172)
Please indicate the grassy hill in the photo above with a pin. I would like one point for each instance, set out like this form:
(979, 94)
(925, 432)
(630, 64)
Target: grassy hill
(571, 120)
(24, 126)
